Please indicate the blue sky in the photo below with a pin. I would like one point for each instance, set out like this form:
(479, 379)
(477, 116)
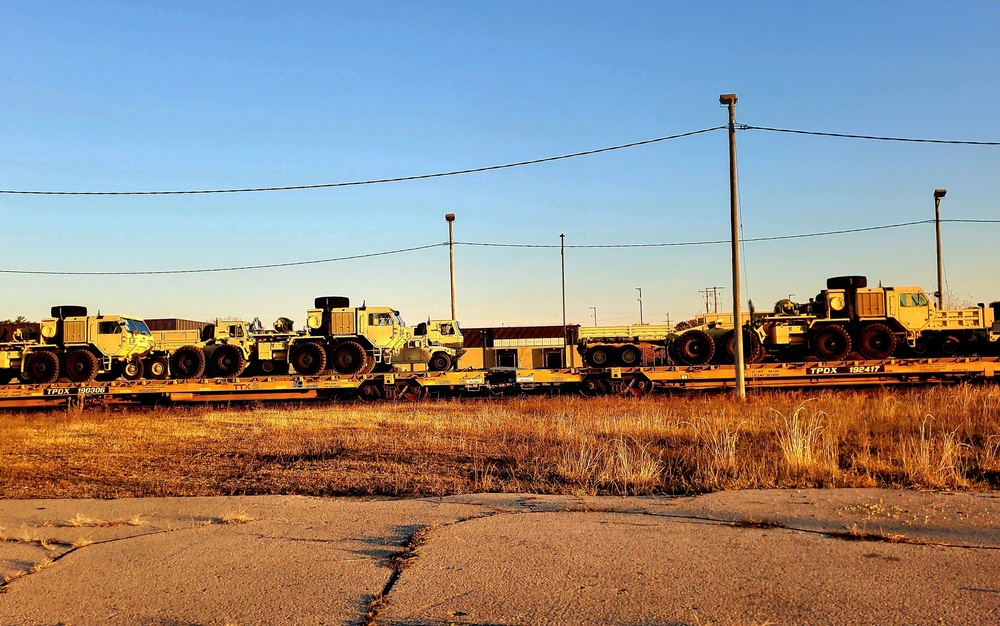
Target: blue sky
(165, 96)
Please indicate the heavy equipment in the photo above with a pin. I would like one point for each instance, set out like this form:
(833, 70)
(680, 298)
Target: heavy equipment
(78, 346)
(357, 340)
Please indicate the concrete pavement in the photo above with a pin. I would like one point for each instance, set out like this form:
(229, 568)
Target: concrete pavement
(742, 557)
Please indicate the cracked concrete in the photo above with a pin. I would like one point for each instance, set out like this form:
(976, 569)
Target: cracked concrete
(505, 559)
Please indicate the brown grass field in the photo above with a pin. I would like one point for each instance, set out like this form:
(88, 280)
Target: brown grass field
(937, 437)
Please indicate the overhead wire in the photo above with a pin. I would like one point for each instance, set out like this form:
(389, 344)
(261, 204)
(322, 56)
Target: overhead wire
(843, 231)
(869, 137)
(378, 181)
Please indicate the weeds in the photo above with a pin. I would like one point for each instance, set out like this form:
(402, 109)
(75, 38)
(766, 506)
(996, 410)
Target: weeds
(658, 444)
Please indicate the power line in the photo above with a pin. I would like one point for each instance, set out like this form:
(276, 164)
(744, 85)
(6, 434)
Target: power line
(230, 269)
(870, 137)
(474, 170)
(827, 233)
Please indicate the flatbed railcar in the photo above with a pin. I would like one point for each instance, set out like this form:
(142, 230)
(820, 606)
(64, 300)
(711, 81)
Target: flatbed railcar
(499, 382)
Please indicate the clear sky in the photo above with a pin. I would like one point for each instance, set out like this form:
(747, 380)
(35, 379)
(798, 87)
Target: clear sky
(121, 96)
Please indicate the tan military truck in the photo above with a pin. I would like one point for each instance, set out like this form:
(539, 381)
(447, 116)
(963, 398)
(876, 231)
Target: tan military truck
(222, 349)
(80, 347)
(878, 322)
(356, 340)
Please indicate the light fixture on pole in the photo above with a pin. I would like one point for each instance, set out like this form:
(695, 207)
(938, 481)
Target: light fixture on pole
(938, 194)
(594, 309)
(562, 254)
(639, 289)
(729, 100)
(450, 218)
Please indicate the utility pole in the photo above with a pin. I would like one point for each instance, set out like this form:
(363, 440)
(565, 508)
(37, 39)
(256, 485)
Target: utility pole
(594, 309)
(450, 218)
(729, 100)
(639, 289)
(562, 254)
(714, 292)
(938, 194)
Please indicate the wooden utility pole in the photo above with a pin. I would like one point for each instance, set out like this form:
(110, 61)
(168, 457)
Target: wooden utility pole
(450, 218)
(729, 100)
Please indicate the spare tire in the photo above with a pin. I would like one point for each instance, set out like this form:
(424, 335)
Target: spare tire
(69, 310)
(847, 282)
(333, 302)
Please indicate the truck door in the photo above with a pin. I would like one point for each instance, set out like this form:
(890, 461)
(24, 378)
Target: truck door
(914, 310)
(381, 328)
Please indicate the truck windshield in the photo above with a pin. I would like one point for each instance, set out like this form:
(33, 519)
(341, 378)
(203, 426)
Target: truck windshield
(137, 326)
(399, 320)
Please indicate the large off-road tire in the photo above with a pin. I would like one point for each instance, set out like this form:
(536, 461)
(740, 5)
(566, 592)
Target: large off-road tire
(81, 366)
(630, 356)
(725, 349)
(308, 358)
(599, 356)
(228, 361)
(830, 342)
(332, 302)
(42, 368)
(876, 341)
(133, 369)
(348, 357)
(68, 310)
(187, 362)
(440, 362)
(157, 368)
(695, 347)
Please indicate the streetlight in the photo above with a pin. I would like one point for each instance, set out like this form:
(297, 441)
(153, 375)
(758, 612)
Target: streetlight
(594, 309)
(639, 289)
(938, 194)
(450, 218)
(729, 100)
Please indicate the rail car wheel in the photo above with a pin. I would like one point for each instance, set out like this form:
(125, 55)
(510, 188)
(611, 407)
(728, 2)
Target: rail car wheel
(694, 347)
(42, 368)
(876, 341)
(598, 356)
(440, 362)
(630, 356)
(950, 345)
(410, 391)
(157, 368)
(591, 387)
(370, 392)
(81, 366)
(228, 361)
(753, 349)
(188, 362)
(348, 357)
(831, 342)
(635, 386)
(308, 358)
(133, 370)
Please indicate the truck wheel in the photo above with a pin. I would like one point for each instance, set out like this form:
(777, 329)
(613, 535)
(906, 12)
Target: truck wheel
(876, 341)
(308, 358)
(348, 357)
(133, 370)
(157, 368)
(950, 345)
(753, 350)
(694, 347)
(630, 356)
(188, 362)
(830, 342)
(81, 366)
(598, 356)
(42, 368)
(440, 362)
(228, 361)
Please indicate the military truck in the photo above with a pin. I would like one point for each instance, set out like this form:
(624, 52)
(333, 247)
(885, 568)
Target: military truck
(357, 340)
(623, 346)
(78, 346)
(879, 322)
(223, 349)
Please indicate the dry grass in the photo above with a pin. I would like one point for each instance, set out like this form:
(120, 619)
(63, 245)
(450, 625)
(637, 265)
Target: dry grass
(944, 437)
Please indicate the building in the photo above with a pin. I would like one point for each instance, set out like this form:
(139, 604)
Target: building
(536, 347)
